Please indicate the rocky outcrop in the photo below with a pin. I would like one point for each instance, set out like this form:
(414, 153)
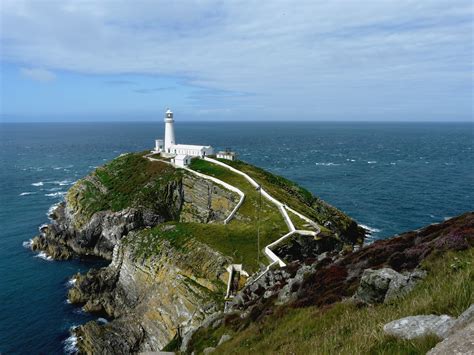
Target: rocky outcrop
(149, 299)
(390, 269)
(385, 285)
(419, 326)
(423, 325)
(461, 342)
(72, 234)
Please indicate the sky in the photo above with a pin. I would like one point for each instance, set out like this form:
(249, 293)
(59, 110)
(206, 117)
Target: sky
(114, 60)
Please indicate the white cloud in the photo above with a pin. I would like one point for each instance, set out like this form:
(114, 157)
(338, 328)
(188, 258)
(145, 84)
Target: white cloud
(315, 54)
(38, 74)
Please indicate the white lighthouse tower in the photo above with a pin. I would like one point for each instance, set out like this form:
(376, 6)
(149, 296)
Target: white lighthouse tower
(169, 131)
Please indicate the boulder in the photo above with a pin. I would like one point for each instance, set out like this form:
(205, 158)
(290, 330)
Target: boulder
(384, 285)
(460, 342)
(419, 326)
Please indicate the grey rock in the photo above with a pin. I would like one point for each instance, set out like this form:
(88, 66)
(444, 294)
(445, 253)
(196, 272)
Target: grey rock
(224, 338)
(385, 285)
(208, 350)
(460, 342)
(419, 326)
(465, 318)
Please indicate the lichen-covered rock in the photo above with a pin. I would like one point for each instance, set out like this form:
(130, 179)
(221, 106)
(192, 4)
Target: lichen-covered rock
(385, 285)
(174, 288)
(420, 326)
(461, 342)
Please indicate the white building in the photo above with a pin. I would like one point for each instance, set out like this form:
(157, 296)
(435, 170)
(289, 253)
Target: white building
(182, 160)
(168, 146)
(226, 154)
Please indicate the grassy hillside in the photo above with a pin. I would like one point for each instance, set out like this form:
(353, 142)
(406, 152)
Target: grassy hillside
(347, 329)
(127, 181)
(300, 199)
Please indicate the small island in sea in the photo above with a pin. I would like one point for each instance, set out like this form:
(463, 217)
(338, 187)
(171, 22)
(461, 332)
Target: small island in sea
(208, 253)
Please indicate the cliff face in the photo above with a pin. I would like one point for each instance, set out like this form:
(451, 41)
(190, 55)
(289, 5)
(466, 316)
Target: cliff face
(98, 213)
(149, 297)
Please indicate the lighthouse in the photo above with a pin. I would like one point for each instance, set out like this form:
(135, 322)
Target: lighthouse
(180, 154)
(169, 130)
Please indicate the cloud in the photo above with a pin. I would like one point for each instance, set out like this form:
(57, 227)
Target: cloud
(318, 55)
(38, 74)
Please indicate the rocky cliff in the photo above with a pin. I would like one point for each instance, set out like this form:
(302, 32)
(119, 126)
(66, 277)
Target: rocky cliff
(162, 229)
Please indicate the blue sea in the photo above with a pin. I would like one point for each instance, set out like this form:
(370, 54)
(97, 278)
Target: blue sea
(391, 177)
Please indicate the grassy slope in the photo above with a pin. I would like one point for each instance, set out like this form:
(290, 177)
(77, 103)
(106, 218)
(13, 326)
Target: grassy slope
(239, 238)
(293, 195)
(126, 181)
(346, 329)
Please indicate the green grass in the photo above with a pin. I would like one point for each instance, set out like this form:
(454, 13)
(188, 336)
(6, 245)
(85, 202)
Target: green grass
(347, 329)
(127, 181)
(238, 239)
(293, 195)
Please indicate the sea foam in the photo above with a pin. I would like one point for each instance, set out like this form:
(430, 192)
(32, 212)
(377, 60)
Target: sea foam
(44, 256)
(38, 183)
(56, 194)
(70, 344)
(27, 193)
(371, 230)
(27, 244)
(327, 164)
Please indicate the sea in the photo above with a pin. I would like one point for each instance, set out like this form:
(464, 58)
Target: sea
(390, 177)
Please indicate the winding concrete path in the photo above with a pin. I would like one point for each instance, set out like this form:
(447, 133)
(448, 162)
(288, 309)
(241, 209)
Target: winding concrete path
(283, 210)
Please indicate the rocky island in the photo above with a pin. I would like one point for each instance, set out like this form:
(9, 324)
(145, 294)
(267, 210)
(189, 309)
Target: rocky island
(200, 261)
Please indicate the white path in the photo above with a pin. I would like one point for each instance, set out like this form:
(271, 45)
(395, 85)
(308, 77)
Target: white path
(283, 210)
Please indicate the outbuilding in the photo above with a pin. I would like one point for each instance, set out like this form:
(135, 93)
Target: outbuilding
(182, 160)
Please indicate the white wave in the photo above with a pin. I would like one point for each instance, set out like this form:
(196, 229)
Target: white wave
(447, 218)
(370, 229)
(327, 164)
(70, 344)
(392, 163)
(38, 183)
(42, 226)
(352, 160)
(372, 162)
(71, 282)
(27, 244)
(52, 208)
(56, 194)
(102, 320)
(44, 256)
(27, 193)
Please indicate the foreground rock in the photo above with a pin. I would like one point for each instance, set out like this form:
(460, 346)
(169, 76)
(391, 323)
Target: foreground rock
(420, 326)
(460, 342)
(424, 325)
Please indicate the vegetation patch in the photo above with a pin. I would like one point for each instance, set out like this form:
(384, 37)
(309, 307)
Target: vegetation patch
(130, 180)
(300, 199)
(347, 329)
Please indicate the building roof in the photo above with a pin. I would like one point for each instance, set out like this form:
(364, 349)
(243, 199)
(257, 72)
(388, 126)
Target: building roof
(181, 156)
(189, 146)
